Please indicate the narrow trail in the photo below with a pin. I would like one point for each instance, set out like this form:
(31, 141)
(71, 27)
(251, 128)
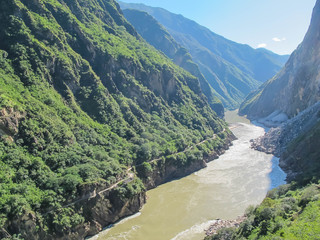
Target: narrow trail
(130, 175)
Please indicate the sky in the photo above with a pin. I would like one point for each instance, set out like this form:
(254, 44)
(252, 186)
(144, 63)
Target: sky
(277, 25)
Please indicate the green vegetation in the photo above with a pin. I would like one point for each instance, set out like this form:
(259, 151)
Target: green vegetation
(82, 99)
(288, 212)
(156, 35)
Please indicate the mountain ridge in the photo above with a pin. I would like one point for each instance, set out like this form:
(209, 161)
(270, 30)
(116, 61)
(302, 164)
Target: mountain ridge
(220, 60)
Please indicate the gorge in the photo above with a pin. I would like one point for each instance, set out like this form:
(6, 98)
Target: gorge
(105, 112)
(183, 208)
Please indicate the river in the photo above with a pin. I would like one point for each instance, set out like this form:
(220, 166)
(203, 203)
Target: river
(183, 208)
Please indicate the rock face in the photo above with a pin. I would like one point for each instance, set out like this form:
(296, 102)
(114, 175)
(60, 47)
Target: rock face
(294, 93)
(220, 224)
(232, 69)
(155, 34)
(277, 139)
(9, 121)
(297, 86)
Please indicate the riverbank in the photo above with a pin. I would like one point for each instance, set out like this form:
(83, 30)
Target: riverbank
(258, 145)
(219, 224)
(277, 140)
(183, 208)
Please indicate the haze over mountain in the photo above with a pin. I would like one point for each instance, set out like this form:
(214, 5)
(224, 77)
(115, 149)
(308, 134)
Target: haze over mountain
(232, 69)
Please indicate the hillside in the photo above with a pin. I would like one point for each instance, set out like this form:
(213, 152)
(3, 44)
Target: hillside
(155, 34)
(88, 112)
(297, 86)
(232, 69)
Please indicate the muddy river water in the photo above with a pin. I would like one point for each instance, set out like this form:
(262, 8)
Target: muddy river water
(183, 208)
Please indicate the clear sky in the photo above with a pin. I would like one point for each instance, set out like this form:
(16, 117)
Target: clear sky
(278, 25)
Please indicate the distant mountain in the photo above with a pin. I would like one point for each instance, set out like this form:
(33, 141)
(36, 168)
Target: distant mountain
(232, 69)
(297, 86)
(155, 34)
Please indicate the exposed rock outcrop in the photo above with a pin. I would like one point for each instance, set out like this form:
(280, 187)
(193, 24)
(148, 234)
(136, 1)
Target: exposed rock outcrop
(297, 86)
(9, 121)
(220, 223)
(276, 140)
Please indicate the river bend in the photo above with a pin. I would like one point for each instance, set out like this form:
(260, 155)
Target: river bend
(183, 208)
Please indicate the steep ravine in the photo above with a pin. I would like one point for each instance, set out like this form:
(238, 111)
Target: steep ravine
(289, 102)
(232, 69)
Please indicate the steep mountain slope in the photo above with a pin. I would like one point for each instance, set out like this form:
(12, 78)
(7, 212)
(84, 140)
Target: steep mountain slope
(232, 69)
(155, 34)
(294, 92)
(297, 86)
(84, 102)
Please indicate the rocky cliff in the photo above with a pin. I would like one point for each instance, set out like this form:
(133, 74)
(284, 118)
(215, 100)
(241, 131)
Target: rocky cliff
(297, 86)
(290, 103)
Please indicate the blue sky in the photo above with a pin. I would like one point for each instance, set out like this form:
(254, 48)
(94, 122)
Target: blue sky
(278, 25)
